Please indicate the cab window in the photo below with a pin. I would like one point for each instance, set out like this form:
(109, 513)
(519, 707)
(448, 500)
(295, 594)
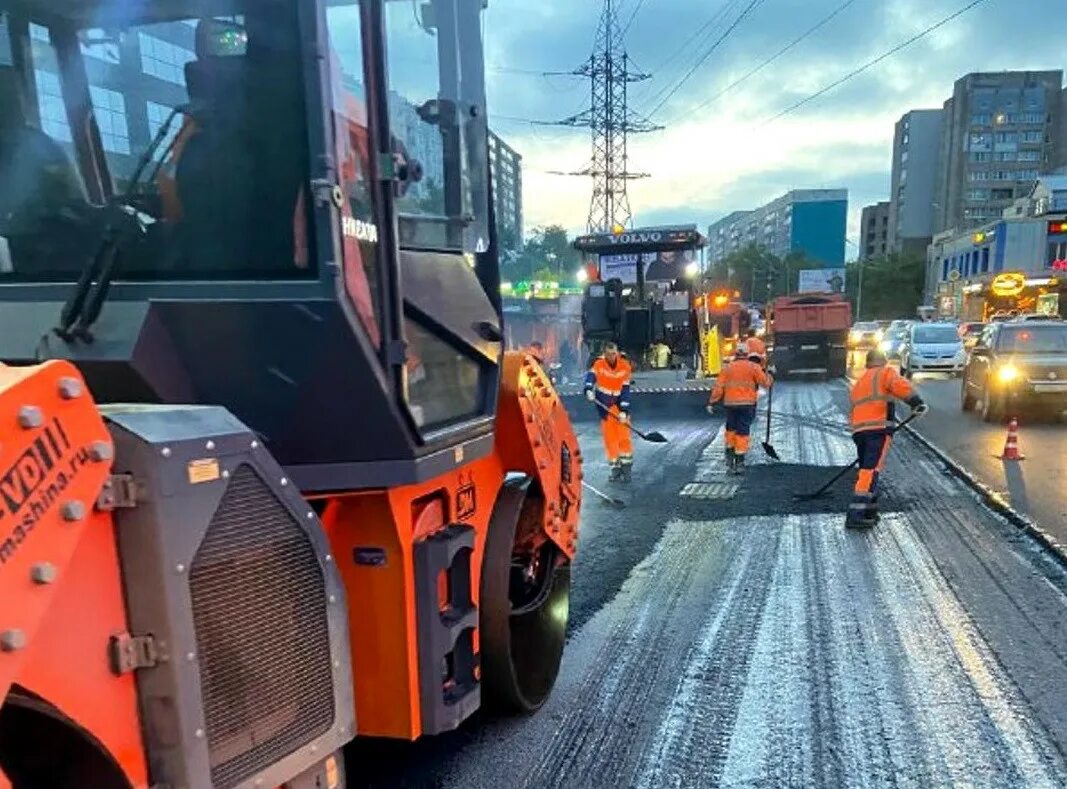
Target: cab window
(176, 135)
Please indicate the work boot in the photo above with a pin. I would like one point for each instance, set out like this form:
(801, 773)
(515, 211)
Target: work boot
(625, 470)
(616, 472)
(864, 520)
(739, 464)
(730, 454)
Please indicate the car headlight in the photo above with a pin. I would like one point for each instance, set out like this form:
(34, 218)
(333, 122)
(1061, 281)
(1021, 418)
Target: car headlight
(886, 346)
(1007, 373)
(854, 335)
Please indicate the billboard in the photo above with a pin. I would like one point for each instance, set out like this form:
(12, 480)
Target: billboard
(659, 266)
(821, 280)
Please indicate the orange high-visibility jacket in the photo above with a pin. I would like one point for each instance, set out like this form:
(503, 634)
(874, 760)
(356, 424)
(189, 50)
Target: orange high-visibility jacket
(739, 383)
(872, 398)
(611, 384)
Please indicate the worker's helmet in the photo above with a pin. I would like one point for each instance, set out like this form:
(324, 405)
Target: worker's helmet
(876, 358)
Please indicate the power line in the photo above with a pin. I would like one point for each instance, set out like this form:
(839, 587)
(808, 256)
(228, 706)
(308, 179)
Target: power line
(807, 34)
(726, 34)
(722, 12)
(870, 63)
(633, 14)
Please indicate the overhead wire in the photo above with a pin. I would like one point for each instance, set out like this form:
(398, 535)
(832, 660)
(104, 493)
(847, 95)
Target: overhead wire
(748, 9)
(873, 62)
(633, 14)
(677, 52)
(768, 61)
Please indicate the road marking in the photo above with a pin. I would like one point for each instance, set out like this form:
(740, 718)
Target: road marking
(710, 490)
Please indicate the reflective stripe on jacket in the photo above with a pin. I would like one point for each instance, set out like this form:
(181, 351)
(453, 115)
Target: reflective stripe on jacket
(872, 398)
(611, 384)
(739, 383)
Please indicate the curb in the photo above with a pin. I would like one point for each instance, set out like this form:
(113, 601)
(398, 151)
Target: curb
(994, 500)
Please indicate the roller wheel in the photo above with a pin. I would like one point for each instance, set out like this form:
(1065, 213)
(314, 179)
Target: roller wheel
(523, 615)
(41, 747)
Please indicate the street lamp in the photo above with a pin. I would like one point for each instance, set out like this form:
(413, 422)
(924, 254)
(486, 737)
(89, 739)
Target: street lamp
(692, 268)
(582, 275)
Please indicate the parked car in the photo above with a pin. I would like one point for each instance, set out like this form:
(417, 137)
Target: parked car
(1017, 366)
(970, 332)
(894, 342)
(932, 348)
(864, 335)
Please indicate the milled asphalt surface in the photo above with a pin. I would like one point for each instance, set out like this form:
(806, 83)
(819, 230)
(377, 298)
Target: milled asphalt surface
(751, 641)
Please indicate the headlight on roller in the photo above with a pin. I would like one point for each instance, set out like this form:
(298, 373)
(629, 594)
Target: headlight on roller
(1007, 373)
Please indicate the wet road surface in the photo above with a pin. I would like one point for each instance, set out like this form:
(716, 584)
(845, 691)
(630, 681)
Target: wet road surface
(1037, 486)
(719, 642)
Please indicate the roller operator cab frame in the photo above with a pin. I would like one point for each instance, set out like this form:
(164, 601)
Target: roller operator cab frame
(255, 408)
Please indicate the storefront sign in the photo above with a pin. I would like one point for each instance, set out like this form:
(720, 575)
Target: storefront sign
(1009, 284)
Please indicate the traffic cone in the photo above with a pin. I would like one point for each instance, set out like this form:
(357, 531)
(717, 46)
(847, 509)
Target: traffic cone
(1011, 442)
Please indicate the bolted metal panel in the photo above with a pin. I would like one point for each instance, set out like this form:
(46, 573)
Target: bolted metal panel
(259, 608)
(230, 582)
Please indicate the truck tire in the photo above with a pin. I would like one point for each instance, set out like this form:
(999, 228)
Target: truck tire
(523, 622)
(967, 400)
(992, 409)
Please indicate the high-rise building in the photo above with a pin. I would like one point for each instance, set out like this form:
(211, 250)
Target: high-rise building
(806, 221)
(874, 231)
(505, 165)
(916, 162)
(1000, 131)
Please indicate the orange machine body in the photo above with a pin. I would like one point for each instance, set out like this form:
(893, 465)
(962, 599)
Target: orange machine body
(67, 623)
(532, 432)
(60, 583)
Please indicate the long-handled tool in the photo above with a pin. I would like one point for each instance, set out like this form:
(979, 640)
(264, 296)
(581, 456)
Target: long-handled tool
(767, 447)
(653, 436)
(845, 470)
(614, 502)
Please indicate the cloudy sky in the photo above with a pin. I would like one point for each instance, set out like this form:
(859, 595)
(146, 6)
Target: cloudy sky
(724, 156)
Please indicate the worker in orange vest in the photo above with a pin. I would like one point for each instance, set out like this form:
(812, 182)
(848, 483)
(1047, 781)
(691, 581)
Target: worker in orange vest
(872, 429)
(537, 350)
(607, 386)
(738, 387)
(757, 347)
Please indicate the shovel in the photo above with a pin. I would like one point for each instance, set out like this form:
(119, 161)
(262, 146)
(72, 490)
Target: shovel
(653, 436)
(845, 470)
(767, 447)
(614, 502)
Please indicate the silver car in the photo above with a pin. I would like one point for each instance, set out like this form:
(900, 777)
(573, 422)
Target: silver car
(933, 348)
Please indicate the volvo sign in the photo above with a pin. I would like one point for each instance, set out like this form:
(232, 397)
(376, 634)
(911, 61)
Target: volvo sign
(649, 239)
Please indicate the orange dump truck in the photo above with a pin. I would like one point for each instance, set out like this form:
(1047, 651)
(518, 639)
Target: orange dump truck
(809, 333)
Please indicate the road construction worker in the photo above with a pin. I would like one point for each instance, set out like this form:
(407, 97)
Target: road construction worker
(607, 386)
(738, 387)
(757, 347)
(537, 350)
(872, 429)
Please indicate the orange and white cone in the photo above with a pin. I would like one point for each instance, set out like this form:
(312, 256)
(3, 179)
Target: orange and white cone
(1011, 442)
